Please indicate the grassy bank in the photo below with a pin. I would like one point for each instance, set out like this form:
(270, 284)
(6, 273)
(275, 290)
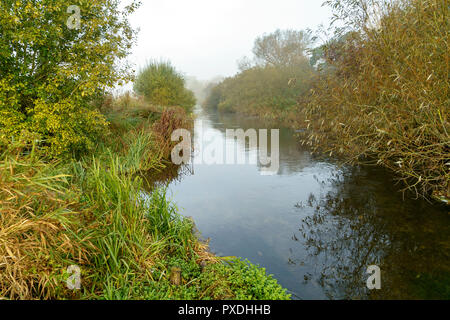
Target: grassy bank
(91, 212)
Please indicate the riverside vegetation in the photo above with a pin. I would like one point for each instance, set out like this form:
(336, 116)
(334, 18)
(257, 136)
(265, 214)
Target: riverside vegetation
(73, 161)
(376, 92)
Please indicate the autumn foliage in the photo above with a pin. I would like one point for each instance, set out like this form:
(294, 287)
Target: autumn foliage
(382, 97)
(52, 69)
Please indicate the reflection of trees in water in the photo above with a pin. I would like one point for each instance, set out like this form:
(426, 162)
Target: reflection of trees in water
(293, 158)
(170, 174)
(362, 222)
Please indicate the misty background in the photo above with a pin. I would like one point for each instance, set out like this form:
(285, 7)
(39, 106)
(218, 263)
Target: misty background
(205, 39)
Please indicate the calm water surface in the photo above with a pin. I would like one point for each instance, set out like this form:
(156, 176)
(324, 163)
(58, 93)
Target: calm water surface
(314, 225)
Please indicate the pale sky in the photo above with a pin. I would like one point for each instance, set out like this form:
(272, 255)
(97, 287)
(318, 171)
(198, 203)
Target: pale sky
(205, 38)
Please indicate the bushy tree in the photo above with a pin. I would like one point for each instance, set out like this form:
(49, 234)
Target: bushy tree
(55, 58)
(161, 84)
(282, 48)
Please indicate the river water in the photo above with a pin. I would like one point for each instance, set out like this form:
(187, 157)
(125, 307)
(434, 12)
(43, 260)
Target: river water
(314, 225)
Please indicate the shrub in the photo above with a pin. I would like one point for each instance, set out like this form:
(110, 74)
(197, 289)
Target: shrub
(383, 98)
(162, 85)
(272, 83)
(171, 120)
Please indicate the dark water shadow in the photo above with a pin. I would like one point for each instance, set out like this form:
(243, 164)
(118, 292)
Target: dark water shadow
(357, 224)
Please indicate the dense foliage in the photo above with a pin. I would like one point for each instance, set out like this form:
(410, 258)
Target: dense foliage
(261, 90)
(383, 96)
(53, 63)
(162, 85)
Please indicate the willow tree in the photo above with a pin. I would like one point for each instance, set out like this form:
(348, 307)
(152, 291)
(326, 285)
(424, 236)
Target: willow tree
(55, 58)
(385, 97)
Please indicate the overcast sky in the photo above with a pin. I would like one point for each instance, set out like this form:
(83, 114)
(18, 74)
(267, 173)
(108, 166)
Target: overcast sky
(205, 38)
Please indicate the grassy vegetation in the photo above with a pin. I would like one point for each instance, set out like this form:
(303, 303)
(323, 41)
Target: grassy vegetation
(91, 212)
(378, 93)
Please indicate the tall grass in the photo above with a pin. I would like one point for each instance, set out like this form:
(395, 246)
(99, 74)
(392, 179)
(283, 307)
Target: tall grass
(37, 234)
(89, 213)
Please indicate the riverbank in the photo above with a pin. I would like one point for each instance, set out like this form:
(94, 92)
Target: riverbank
(90, 213)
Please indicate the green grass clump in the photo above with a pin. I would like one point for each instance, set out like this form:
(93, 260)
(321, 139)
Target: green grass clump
(241, 280)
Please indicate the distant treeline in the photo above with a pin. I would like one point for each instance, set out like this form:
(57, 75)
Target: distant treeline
(375, 92)
(272, 81)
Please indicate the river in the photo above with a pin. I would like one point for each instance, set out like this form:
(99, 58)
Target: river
(315, 225)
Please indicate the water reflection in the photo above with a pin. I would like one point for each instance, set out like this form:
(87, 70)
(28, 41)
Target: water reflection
(292, 158)
(314, 225)
(359, 223)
